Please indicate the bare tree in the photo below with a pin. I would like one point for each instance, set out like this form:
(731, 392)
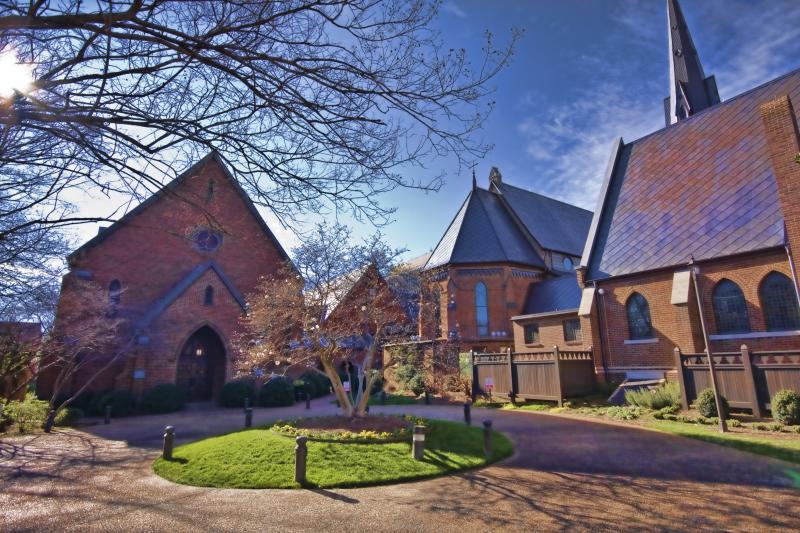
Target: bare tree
(315, 104)
(342, 311)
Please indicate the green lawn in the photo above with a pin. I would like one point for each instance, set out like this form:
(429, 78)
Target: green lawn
(784, 448)
(258, 459)
(394, 399)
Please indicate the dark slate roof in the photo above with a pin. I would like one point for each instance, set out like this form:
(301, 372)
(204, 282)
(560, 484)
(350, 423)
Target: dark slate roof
(555, 225)
(703, 187)
(556, 294)
(167, 189)
(483, 231)
(179, 288)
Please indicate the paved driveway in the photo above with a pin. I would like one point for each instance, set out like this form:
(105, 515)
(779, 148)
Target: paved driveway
(565, 475)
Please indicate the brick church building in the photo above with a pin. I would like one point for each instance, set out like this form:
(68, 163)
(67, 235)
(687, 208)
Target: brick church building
(502, 255)
(176, 268)
(714, 195)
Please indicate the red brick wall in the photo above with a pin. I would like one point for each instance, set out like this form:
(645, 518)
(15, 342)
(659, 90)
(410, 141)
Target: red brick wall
(507, 288)
(551, 333)
(679, 325)
(154, 251)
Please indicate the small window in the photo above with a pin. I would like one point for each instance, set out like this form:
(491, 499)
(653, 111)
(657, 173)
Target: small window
(114, 292)
(730, 308)
(779, 302)
(208, 299)
(638, 311)
(567, 263)
(531, 333)
(481, 309)
(572, 330)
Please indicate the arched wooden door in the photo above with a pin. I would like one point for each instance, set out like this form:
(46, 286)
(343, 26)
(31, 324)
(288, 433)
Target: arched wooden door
(201, 365)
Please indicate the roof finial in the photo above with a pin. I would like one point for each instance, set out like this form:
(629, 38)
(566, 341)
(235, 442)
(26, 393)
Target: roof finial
(474, 181)
(495, 176)
(690, 91)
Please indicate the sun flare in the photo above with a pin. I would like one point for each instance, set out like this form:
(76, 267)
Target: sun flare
(14, 76)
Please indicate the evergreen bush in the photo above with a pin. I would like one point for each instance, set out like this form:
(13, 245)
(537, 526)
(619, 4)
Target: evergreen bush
(234, 392)
(786, 407)
(122, 403)
(276, 392)
(164, 398)
(706, 405)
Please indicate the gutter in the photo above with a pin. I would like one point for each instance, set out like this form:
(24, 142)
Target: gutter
(546, 314)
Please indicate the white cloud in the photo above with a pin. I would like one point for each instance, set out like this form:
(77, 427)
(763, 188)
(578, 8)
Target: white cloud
(454, 9)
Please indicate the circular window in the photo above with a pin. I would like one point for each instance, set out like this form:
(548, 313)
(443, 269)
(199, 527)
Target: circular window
(567, 262)
(207, 240)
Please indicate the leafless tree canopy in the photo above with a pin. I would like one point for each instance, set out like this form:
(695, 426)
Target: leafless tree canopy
(315, 104)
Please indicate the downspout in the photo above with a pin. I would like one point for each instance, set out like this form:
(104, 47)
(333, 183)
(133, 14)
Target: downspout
(602, 325)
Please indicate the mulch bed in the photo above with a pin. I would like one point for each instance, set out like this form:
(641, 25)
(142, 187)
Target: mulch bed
(342, 423)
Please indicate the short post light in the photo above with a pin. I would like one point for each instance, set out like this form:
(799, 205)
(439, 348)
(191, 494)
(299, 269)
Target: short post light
(468, 413)
(248, 417)
(300, 459)
(107, 420)
(308, 400)
(427, 398)
(487, 438)
(246, 403)
(418, 444)
(383, 397)
(169, 442)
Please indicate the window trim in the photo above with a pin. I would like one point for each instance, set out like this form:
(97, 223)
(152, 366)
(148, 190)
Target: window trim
(537, 341)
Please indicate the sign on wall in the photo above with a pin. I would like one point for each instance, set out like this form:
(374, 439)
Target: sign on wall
(139, 373)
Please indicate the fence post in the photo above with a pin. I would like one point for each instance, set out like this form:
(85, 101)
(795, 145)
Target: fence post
(474, 388)
(300, 460)
(681, 379)
(751, 382)
(557, 368)
(511, 391)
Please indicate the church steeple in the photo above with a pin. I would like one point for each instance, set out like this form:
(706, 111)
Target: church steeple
(690, 90)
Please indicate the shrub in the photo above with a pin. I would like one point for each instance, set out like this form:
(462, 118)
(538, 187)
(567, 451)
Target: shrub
(68, 416)
(775, 426)
(665, 395)
(670, 417)
(685, 419)
(662, 413)
(759, 427)
(786, 407)
(796, 429)
(734, 423)
(701, 420)
(707, 406)
(377, 386)
(317, 384)
(122, 403)
(26, 414)
(234, 392)
(95, 405)
(411, 378)
(624, 413)
(276, 392)
(164, 398)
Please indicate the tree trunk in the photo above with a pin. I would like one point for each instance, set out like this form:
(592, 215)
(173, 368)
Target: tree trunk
(338, 389)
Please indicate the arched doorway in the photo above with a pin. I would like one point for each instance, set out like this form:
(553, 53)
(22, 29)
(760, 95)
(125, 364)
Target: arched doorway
(201, 365)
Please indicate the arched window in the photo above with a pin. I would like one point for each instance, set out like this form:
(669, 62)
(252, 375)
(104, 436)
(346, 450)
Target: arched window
(114, 291)
(638, 310)
(730, 309)
(779, 302)
(208, 299)
(481, 309)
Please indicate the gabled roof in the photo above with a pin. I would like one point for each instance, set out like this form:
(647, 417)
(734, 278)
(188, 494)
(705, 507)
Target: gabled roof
(168, 189)
(483, 231)
(163, 303)
(557, 294)
(555, 225)
(703, 187)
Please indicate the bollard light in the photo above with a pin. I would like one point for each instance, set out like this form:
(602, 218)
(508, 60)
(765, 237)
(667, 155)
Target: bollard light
(169, 442)
(418, 444)
(308, 400)
(300, 459)
(427, 398)
(383, 397)
(468, 413)
(246, 403)
(108, 415)
(248, 417)
(487, 438)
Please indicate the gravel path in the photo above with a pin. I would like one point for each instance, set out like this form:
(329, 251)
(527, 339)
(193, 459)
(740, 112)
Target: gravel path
(565, 474)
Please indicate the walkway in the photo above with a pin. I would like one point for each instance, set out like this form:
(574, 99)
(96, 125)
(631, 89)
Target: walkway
(566, 474)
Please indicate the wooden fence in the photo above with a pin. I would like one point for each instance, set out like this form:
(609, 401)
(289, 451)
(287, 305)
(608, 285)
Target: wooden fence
(747, 380)
(552, 375)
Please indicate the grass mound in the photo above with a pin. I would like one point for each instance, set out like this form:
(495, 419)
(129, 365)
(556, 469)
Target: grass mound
(260, 459)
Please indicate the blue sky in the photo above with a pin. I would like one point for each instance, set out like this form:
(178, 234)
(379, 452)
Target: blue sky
(585, 72)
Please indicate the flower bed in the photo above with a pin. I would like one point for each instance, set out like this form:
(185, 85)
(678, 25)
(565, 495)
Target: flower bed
(370, 429)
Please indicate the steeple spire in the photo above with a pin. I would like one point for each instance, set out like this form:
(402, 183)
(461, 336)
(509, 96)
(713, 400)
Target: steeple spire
(690, 90)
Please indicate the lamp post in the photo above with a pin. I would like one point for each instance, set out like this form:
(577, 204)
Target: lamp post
(723, 426)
